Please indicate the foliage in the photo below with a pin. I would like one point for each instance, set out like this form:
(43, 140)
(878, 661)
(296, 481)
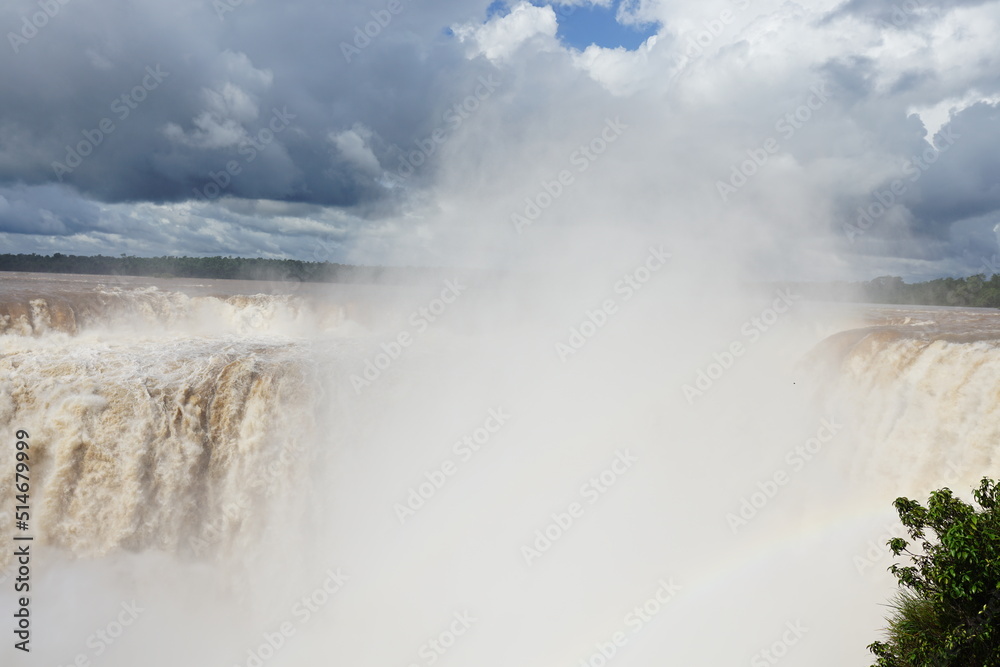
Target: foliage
(948, 611)
(237, 268)
(976, 291)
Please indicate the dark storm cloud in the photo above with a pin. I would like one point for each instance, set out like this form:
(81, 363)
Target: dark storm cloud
(51, 218)
(964, 181)
(942, 202)
(162, 97)
(939, 180)
(899, 14)
(851, 76)
(45, 210)
(912, 80)
(176, 98)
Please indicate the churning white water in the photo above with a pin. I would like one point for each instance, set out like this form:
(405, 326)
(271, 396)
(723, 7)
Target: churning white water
(240, 474)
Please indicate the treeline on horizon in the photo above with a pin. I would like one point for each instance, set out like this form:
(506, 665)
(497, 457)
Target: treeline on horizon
(226, 268)
(976, 291)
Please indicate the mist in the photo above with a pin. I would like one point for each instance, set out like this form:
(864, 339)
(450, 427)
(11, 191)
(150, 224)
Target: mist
(601, 467)
(639, 443)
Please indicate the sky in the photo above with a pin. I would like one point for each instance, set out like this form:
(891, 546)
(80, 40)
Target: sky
(811, 141)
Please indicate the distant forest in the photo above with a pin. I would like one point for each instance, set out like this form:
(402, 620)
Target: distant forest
(975, 291)
(229, 268)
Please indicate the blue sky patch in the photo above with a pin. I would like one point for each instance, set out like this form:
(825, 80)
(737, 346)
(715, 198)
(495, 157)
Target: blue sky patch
(579, 27)
(496, 7)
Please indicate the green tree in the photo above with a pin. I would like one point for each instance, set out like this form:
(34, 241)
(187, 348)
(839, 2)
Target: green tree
(947, 613)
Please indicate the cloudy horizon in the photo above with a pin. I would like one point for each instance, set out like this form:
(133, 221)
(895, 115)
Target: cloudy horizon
(836, 140)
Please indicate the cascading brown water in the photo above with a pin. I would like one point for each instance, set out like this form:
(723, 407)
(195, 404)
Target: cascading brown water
(922, 393)
(160, 420)
(201, 449)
